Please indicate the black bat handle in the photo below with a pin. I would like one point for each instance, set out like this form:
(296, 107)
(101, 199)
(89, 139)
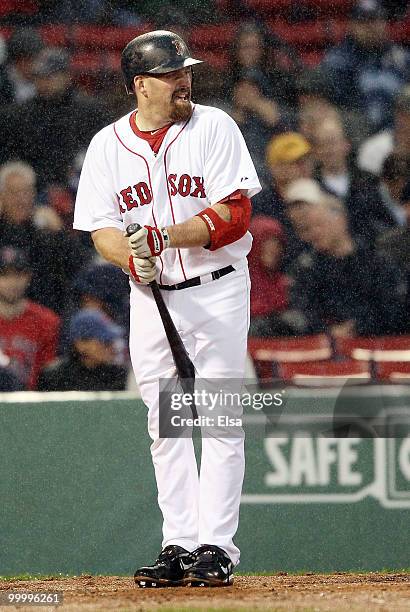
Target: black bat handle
(182, 361)
(132, 229)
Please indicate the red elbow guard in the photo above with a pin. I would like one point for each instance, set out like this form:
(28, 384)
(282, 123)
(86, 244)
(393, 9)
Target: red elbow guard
(222, 232)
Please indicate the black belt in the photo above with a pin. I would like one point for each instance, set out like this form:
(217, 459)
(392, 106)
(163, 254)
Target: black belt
(194, 282)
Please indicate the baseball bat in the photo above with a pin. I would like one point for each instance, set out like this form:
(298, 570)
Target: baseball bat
(183, 363)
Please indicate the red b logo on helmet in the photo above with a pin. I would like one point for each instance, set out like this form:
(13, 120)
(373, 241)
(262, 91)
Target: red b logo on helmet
(178, 46)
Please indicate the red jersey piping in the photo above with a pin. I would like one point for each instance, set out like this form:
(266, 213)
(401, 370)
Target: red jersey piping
(150, 183)
(169, 195)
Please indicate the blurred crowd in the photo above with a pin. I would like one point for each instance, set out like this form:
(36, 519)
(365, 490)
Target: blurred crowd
(331, 227)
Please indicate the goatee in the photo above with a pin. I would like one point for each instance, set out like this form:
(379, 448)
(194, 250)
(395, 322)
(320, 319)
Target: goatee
(181, 111)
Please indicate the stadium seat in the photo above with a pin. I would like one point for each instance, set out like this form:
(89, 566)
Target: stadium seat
(6, 32)
(290, 7)
(326, 6)
(55, 35)
(269, 6)
(304, 348)
(325, 373)
(311, 58)
(400, 31)
(6, 7)
(393, 371)
(216, 59)
(212, 36)
(19, 7)
(109, 38)
(267, 353)
(84, 62)
(337, 29)
(307, 34)
(385, 348)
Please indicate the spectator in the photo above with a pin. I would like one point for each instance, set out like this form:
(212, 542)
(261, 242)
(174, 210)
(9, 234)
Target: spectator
(375, 149)
(269, 288)
(8, 380)
(331, 150)
(395, 243)
(105, 288)
(288, 157)
(74, 11)
(301, 198)
(173, 18)
(254, 112)
(109, 86)
(17, 84)
(314, 102)
(38, 231)
(28, 331)
(49, 130)
(89, 364)
(394, 179)
(341, 286)
(158, 11)
(255, 48)
(297, 212)
(368, 210)
(396, 9)
(315, 105)
(366, 70)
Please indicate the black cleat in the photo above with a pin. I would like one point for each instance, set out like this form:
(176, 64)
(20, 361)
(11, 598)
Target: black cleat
(211, 567)
(168, 570)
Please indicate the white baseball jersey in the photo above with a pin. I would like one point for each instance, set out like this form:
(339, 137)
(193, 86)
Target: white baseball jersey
(199, 163)
(123, 181)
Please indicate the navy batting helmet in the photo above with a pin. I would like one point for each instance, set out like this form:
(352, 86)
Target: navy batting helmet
(154, 53)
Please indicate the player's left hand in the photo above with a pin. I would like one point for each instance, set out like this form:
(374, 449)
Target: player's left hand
(149, 241)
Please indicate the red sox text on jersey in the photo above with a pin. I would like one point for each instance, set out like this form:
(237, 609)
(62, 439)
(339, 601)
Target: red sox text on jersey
(140, 193)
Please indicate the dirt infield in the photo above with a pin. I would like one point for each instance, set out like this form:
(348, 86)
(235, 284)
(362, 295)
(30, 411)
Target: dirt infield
(354, 592)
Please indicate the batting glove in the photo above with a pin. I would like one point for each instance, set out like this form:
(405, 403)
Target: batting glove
(149, 241)
(142, 270)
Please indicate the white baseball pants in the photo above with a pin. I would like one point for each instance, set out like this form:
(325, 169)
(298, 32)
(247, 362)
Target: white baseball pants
(213, 321)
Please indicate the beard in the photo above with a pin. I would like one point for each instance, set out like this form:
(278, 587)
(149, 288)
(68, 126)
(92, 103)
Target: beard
(181, 108)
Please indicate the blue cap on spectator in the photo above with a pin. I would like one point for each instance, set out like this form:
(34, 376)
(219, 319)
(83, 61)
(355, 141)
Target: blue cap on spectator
(367, 10)
(92, 324)
(104, 282)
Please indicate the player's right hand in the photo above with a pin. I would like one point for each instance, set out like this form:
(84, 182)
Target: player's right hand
(148, 241)
(142, 269)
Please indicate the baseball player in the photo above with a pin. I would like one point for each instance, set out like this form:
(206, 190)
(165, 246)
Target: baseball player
(181, 171)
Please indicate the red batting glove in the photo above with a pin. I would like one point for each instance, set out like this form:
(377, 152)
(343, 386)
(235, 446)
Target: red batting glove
(149, 241)
(142, 270)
